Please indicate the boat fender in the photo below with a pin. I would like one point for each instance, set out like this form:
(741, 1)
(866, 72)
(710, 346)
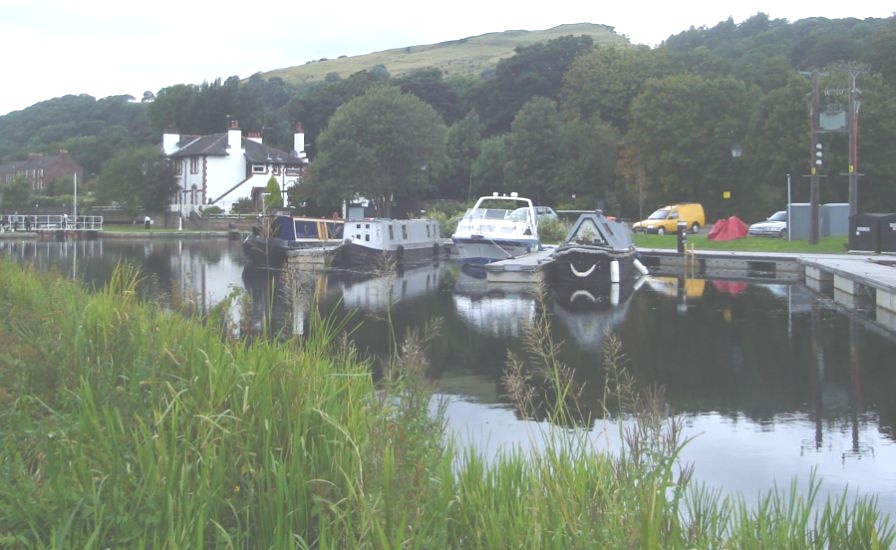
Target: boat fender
(614, 271)
(614, 295)
(639, 266)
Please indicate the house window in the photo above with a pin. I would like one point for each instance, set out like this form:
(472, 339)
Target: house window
(193, 195)
(179, 168)
(276, 170)
(194, 165)
(258, 169)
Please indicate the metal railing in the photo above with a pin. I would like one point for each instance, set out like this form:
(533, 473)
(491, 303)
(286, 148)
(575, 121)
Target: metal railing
(53, 222)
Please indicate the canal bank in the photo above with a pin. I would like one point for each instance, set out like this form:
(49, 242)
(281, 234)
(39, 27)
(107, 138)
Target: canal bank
(856, 280)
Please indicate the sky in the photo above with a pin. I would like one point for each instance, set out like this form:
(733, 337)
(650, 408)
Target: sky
(52, 48)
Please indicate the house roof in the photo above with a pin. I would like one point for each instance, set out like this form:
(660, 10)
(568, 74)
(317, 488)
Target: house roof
(41, 161)
(216, 145)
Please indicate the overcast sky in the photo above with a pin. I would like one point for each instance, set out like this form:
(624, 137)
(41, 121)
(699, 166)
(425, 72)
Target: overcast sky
(51, 48)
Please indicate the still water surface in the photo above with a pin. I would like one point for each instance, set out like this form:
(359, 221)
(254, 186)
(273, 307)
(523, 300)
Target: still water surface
(773, 380)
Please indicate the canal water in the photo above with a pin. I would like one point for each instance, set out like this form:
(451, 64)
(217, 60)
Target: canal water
(773, 381)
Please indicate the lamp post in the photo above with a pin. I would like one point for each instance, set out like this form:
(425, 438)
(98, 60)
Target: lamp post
(736, 152)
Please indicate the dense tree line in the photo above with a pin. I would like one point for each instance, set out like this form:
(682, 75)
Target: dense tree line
(570, 123)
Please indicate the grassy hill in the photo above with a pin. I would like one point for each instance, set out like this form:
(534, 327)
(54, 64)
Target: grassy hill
(465, 57)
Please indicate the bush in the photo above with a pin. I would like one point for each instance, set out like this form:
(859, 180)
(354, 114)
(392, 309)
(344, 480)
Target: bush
(551, 231)
(447, 217)
(213, 209)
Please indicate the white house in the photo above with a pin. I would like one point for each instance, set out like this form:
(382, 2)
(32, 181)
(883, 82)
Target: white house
(220, 169)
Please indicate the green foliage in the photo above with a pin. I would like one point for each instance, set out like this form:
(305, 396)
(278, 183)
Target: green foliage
(138, 179)
(383, 146)
(16, 194)
(551, 231)
(205, 109)
(447, 218)
(242, 206)
(535, 71)
(688, 157)
(48, 125)
(462, 147)
(212, 209)
(273, 197)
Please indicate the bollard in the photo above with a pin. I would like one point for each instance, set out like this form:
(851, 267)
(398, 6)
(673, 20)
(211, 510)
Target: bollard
(682, 232)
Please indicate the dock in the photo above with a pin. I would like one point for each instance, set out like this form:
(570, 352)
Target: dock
(56, 226)
(528, 268)
(853, 280)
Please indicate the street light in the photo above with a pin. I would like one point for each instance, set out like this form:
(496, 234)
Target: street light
(736, 151)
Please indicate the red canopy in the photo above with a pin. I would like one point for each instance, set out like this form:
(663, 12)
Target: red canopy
(728, 230)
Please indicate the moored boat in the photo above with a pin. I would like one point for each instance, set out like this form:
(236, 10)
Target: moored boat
(278, 234)
(597, 252)
(373, 243)
(498, 227)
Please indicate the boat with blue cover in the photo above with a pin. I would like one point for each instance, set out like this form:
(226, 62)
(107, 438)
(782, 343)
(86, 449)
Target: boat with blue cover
(280, 233)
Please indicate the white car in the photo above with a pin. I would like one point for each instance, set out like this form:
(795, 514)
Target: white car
(774, 226)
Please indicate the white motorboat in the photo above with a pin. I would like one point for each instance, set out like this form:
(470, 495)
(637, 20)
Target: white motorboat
(498, 227)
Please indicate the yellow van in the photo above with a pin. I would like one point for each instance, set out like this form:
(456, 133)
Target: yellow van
(665, 220)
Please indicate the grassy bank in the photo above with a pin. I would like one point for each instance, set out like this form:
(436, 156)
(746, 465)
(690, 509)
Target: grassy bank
(826, 245)
(124, 425)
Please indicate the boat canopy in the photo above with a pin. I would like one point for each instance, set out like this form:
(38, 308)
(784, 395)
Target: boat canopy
(595, 229)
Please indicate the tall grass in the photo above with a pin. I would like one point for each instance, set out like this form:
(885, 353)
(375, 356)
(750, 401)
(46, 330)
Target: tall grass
(124, 425)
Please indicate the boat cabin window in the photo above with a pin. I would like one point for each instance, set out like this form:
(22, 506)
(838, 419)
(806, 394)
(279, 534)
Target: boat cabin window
(404, 231)
(588, 233)
(519, 215)
(391, 233)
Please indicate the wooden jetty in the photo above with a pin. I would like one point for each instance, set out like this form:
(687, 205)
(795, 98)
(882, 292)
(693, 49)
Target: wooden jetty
(528, 268)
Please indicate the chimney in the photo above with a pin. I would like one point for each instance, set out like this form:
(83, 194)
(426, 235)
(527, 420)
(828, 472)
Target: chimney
(299, 141)
(234, 135)
(169, 143)
(254, 136)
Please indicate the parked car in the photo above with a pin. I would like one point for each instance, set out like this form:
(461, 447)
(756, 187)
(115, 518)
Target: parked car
(773, 226)
(542, 212)
(665, 220)
(545, 212)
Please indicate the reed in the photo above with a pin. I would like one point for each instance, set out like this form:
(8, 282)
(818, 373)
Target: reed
(123, 424)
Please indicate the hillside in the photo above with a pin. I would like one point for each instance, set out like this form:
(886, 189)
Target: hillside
(470, 56)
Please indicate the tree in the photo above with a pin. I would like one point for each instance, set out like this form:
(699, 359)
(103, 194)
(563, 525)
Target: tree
(382, 145)
(138, 179)
(15, 195)
(273, 198)
(605, 81)
(587, 160)
(682, 129)
(534, 71)
(488, 168)
(535, 149)
(464, 141)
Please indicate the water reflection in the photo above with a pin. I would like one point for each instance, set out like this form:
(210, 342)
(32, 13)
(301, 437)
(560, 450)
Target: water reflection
(773, 379)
